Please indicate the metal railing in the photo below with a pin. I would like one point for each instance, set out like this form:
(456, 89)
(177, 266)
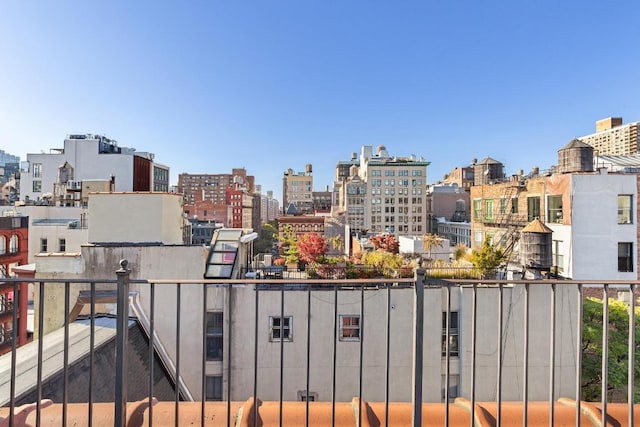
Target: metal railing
(508, 303)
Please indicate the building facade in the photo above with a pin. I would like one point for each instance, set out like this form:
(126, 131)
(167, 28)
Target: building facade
(86, 157)
(14, 250)
(397, 193)
(297, 191)
(613, 137)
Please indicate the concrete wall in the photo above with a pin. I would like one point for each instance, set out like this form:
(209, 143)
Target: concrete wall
(135, 217)
(75, 237)
(596, 232)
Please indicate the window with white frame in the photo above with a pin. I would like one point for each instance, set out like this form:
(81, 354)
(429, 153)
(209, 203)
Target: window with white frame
(280, 328)
(214, 387)
(62, 245)
(349, 327)
(625, 209)
(37, 170)
(554, 209)
(214, 335)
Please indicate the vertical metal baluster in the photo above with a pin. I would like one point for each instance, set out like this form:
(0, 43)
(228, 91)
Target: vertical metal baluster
(447, 354)
(579, 356)
(552, 357)
(176, 408)
(40, 340)
(280, 397)
(631, 352)
(229, 342)
(255, 359)
(387, 362)
(65, 357)
(474, 311)
(152, 353)
(525, 387)
(605, 350)
(92, 344)
(500, 332)
(308, 351)
(418, 349)
(14, 345)
(335, 347)
(361, 356)
(203, 366)
(121, 344)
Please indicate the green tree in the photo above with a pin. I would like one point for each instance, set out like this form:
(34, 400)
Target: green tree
(289, 245)
(488, 258)
(618, 331)
(267, 235)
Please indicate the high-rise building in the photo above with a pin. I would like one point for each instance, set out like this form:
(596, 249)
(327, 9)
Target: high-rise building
(224, 198)
(297, 191)
(612, 137)
(383, 193)
(87, 157)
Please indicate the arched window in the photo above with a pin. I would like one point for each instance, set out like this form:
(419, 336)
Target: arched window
(13, 244)
(3, 245)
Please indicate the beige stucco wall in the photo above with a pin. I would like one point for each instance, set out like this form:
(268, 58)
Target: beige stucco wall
(135, 217)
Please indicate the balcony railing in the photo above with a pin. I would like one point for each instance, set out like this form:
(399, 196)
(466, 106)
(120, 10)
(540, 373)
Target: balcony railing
(381, 339)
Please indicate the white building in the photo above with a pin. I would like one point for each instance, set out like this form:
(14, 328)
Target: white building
(397, 191)
(597, 237)
(89, 157)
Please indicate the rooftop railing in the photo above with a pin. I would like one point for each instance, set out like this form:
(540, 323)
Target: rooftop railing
(549, 341)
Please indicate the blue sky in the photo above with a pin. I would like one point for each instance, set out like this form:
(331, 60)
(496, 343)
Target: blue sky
(271, 85)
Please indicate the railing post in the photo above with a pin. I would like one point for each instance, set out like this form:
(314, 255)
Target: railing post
(122, 329)
(418, 348)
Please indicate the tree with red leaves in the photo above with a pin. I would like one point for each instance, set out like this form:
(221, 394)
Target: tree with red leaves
(386, 242)
(311, 247)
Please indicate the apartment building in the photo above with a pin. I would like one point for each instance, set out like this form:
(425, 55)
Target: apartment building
(269, 207)
(14, 249)
(222, 198)
(592, 216)
(297, 191)
(447, 202)
(613, 137)
(88, 157)
(397, 192)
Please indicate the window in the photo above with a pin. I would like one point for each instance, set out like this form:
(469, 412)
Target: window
(13, 244)
(514, 205)
(488, 209)
(533, 208)
(302, 396)
(43, 245)
(214, 335)
(554, 209)
(624, 209)
(214, 387)
(37, 186)
(349, 327)
(278, 330)
(503, 206)
(62, 245)
(558, 257)
(625, 257)
(453, 334)
(454, 380)
(37, 170)
(3, 245)
(477, 209)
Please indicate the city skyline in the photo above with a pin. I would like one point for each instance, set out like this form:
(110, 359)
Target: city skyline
(278, 86)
